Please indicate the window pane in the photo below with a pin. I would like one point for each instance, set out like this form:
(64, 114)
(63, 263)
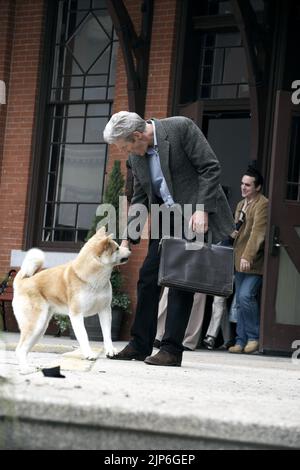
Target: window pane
(225, 8)
(54, 159)
(88, 42)
(228, 39)
(93, 130)
(222, 62)
(74, 94)
(243, 91)
(83, 4)
(98, 110)
(51, 187)
(111, 93)
(288, 291)
(206, 78)
(105, 21)
(49, 215)
(112, 71)
(81, 235)
(72, 81)
(78, 17)
(258, 5)
(96, 80)
(76, 110)
(218, 66)
(99, 3)
(209, 57)
(81, 173)
(66, 215)
(47, 235)
(74, 130)
(210, 40)
(95, 93)
(222, 91)
(205, 92)
(233, 154)
(213, 7)
(57, 129)
(102, 64)
(235, 66)
(71, 66)
(63, 236)
(86, 214)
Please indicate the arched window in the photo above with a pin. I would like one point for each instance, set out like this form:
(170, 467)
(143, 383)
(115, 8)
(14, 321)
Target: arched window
(80, 98)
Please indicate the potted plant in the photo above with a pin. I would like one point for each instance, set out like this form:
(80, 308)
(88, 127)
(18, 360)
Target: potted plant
(120, 300)
(63, 324)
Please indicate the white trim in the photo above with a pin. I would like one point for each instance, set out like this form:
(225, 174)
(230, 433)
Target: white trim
(53, 258)
(2, 92)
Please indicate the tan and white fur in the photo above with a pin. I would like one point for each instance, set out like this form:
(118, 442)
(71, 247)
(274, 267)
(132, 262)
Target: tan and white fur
(80, 288)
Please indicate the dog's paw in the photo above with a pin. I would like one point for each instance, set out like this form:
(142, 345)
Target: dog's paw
(111, 352)
(91, 356)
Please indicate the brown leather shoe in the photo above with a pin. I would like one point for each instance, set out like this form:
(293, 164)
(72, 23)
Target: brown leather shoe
(164, 358)
(129, 354)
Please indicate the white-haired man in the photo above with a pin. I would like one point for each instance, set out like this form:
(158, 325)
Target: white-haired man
(172, 163)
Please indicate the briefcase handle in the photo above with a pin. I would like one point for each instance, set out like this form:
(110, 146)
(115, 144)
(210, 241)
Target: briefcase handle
(209, 240)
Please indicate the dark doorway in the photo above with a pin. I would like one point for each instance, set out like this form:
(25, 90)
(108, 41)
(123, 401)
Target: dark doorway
(229, 137)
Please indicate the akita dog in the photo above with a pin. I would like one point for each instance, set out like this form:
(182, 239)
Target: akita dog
(80, 288)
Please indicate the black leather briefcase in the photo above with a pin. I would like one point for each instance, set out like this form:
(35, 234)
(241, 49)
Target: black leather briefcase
(208, 269)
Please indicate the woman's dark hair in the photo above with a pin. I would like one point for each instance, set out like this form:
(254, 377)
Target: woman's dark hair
(258, 179)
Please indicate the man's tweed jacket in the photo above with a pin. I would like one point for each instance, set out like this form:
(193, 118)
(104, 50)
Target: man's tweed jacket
(191, 171)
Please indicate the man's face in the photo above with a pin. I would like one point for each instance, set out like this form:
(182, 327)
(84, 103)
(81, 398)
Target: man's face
(138, 146)
(248, 188)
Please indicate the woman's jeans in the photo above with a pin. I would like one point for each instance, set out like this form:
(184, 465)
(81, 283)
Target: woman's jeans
(247, 293)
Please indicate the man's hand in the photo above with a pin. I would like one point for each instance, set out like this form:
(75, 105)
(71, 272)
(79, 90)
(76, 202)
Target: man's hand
(199, 222)
(244, 265)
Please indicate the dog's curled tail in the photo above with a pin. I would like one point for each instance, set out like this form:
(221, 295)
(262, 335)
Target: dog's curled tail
(33, 261)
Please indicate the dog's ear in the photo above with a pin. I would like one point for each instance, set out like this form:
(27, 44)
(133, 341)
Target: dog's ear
(101, 232)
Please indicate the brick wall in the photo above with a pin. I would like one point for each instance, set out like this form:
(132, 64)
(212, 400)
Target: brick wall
(7, 9)
(162, 60)
(21, 43)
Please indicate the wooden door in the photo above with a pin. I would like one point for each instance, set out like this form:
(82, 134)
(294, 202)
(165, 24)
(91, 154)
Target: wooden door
(280, 321)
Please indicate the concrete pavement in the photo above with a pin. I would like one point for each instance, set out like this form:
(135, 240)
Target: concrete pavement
(216, 400)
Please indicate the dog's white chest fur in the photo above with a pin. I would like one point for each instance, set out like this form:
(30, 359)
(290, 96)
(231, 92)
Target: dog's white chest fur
(93, 299)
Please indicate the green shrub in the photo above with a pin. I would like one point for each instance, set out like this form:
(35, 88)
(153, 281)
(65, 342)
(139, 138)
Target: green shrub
(114, 189)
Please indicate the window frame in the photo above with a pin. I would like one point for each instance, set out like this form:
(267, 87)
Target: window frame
(207, 23)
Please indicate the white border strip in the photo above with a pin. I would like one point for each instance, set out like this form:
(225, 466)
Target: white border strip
(53, 258)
